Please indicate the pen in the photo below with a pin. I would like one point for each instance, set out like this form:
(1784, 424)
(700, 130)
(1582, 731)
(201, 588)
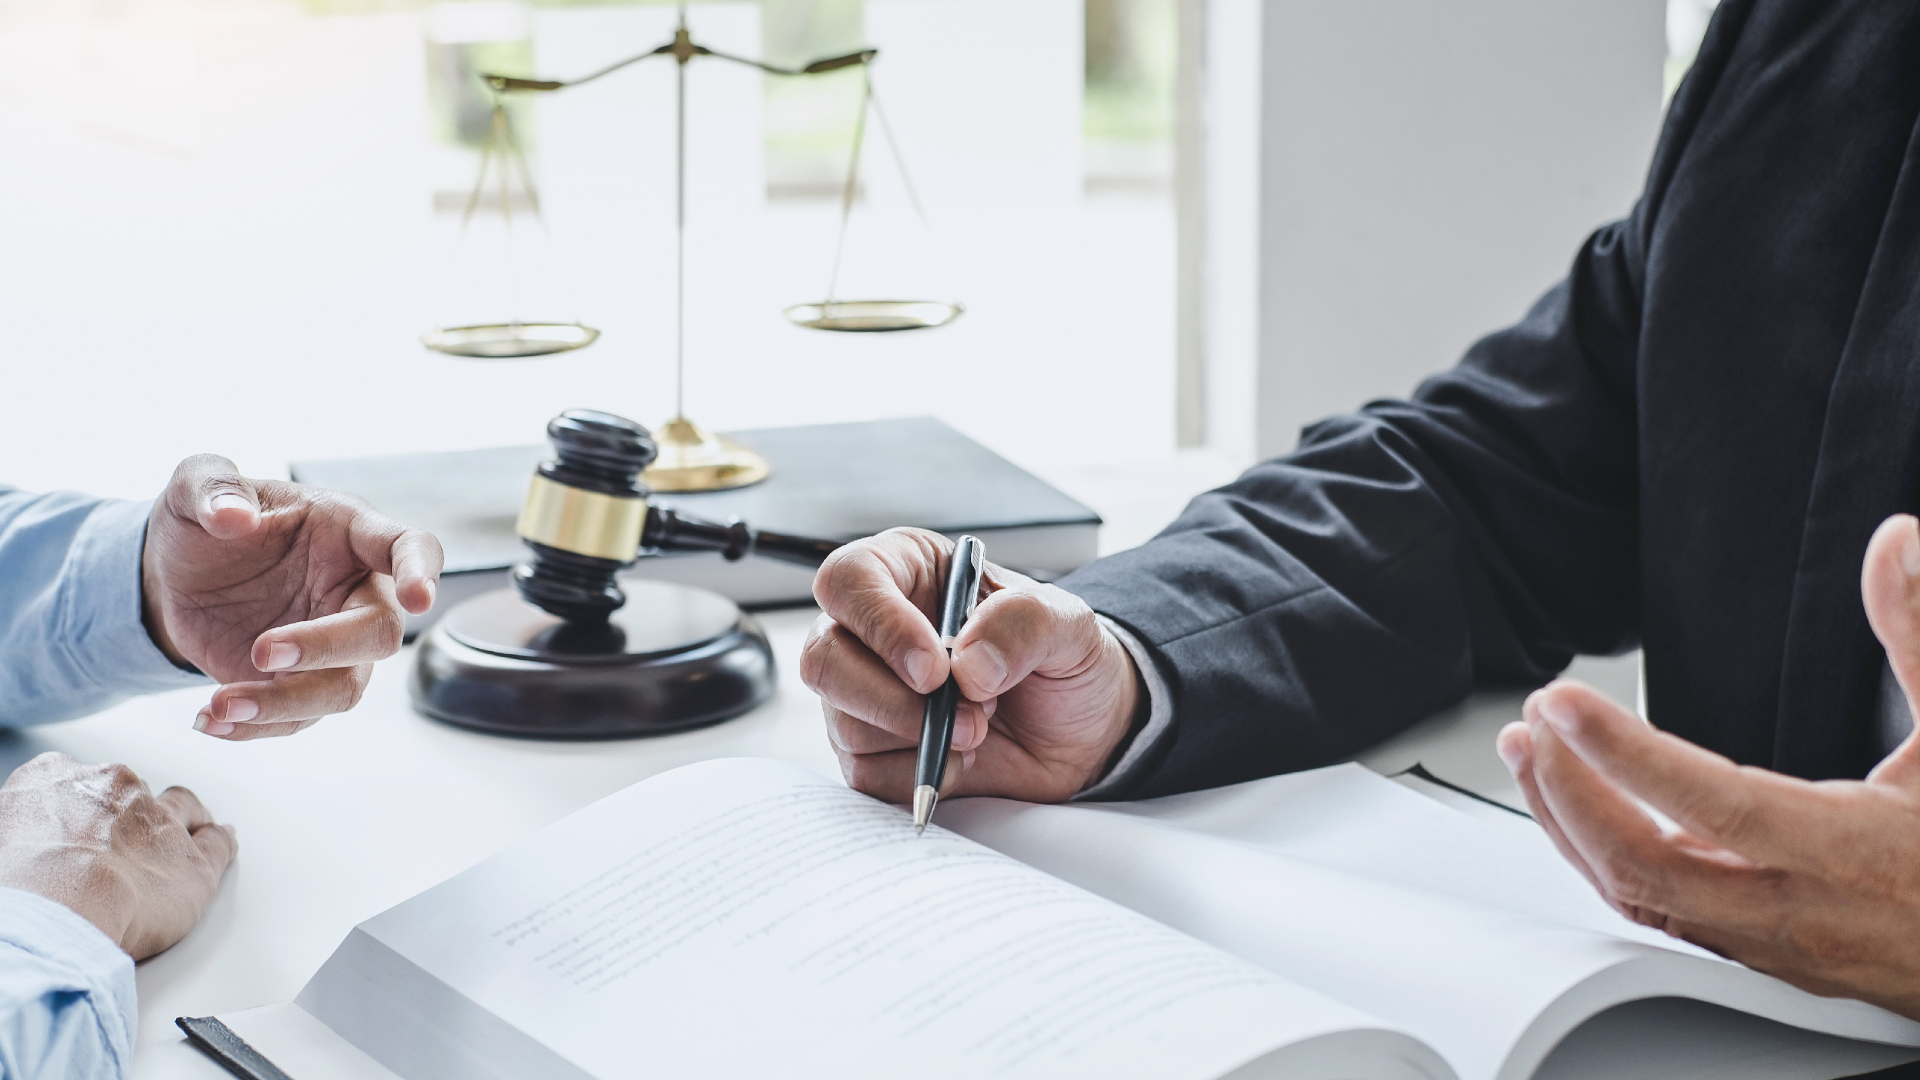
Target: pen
(936, 725)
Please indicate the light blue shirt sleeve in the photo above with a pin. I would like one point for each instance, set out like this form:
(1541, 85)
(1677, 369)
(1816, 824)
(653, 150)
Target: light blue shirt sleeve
(71, 639)
(66, 995)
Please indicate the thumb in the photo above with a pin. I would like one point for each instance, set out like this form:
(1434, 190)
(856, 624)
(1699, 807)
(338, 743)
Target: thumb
(208, 489)
(1890, 589)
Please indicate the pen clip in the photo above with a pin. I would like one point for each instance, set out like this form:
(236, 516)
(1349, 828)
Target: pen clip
(965, 572)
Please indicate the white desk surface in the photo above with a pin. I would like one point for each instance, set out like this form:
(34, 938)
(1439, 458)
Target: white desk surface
(364, 810)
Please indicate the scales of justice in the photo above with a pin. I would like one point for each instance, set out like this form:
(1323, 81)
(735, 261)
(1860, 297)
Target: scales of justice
(691, 458)
(571, 651)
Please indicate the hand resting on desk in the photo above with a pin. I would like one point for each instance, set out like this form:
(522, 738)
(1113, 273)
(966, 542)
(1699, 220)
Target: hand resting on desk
(286, 594)
(1816, 883)
(1048, 694)
(142, 868)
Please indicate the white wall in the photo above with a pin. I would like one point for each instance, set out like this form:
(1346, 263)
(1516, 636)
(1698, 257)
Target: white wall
(236, 250)
(1415, 172)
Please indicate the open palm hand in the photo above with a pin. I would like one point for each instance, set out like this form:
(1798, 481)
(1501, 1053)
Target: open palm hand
(285, 594)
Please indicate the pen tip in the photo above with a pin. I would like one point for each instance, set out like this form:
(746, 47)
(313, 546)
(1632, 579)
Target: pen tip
(924, 798)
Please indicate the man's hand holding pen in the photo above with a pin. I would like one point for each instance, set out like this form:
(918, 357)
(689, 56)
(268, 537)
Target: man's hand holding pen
(1047, 694)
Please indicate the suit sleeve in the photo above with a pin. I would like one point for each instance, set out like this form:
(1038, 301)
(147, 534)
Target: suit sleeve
(1481, 533)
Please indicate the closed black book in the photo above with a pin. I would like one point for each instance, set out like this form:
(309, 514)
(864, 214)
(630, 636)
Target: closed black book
(833, 480)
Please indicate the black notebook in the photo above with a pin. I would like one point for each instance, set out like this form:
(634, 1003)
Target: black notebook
(841, 481)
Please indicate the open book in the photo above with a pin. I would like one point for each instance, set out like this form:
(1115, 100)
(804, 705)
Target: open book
(745, 917)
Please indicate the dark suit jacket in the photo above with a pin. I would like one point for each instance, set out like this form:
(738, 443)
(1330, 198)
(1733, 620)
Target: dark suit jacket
(1684, 446)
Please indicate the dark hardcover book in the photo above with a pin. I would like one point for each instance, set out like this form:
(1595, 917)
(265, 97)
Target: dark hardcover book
(834, 480)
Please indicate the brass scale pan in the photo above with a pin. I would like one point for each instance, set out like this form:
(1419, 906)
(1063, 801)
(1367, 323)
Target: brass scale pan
(505, 341)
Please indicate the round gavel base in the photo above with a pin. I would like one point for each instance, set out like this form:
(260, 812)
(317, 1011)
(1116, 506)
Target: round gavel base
(675, 657)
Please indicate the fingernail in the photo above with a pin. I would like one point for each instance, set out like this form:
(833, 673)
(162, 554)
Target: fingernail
(1910, 551)
(1509, 755)
(985, 664)
(228, 500)
(240, 710)
(281, 655)
(963, 727)
(966, 760)
(1530, 708)
(988, 706)
(206, 724)
(433, 592)
(200, 721)
(919, 666)
(1557, 715)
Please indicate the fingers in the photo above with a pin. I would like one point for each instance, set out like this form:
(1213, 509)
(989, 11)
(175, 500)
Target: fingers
(1615, 843)
(852, 735)
(1649, 876)
(1765, 816)
(851, 678)
(889, 776)
(417, 561)
(871, 586)
(369, 628)
(1515, 744)
(1018, 631)
(186, 807)
(413, 558)
(1890, 589)
(250, 732)
(209, 489)
(281, 706)
(218, 844)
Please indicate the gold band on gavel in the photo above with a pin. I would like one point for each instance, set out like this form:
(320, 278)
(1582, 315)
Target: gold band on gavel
(583, 522)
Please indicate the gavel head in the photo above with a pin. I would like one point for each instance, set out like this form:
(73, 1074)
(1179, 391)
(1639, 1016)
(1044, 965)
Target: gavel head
(585, 512)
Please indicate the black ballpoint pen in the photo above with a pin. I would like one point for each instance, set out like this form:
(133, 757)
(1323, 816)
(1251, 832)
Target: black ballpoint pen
(936, 724)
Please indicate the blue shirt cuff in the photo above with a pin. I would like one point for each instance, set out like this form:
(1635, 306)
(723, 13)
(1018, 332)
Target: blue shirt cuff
(56, 955)
(100, 605)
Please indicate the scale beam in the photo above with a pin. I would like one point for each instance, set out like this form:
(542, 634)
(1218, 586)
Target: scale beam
(683, 49)
(690, 457)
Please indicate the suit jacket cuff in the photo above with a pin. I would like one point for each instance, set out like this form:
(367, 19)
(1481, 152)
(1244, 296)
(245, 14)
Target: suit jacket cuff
(1159, 715)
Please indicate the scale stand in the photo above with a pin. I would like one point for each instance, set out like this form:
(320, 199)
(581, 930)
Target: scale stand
(692, 458)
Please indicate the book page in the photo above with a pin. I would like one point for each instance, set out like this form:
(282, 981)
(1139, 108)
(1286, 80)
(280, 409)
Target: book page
(1478, 941)
(740, 917)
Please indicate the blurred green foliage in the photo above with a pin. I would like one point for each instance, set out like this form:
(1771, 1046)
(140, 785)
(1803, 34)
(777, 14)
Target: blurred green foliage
(1132, 48)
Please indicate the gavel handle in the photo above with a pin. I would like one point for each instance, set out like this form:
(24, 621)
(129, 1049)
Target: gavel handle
(667, 530)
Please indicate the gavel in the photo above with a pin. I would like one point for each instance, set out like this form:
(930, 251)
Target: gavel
(560, 655)
(588, 516)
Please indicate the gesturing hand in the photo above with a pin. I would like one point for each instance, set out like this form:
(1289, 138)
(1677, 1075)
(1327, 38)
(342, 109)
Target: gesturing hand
(1816, 883)
(249, 577)
(1048, 694)
(94, 838)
